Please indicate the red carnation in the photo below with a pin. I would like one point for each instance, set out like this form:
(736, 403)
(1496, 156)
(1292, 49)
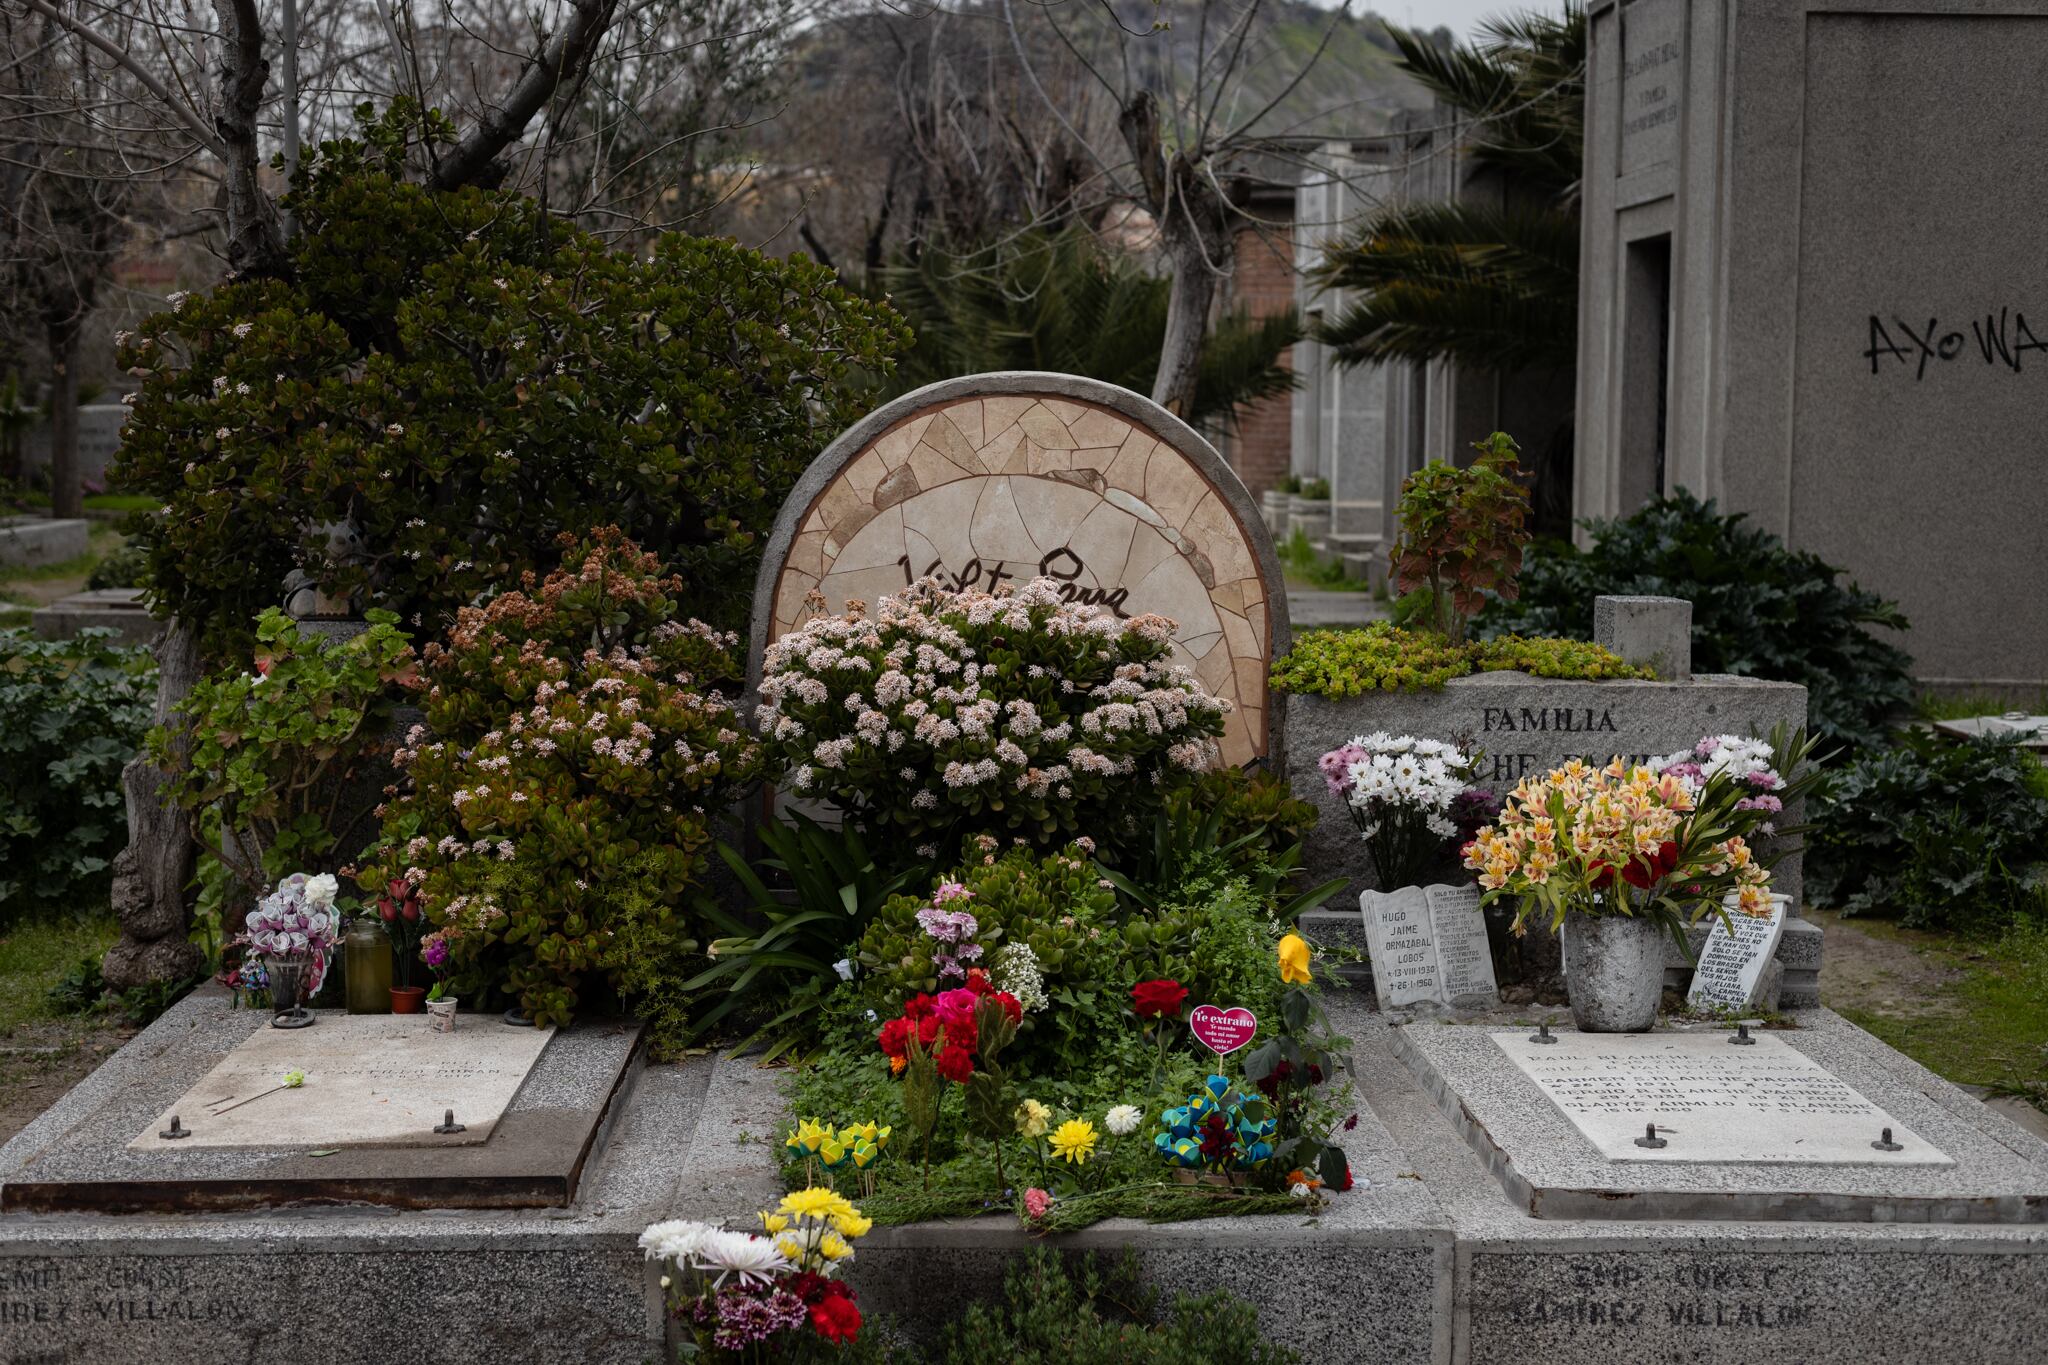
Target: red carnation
(1012, 1008)
(1155, 999)
(955, 1063)
(978, 982)
(918, 1007)
(895, 1037)
(835, 1319)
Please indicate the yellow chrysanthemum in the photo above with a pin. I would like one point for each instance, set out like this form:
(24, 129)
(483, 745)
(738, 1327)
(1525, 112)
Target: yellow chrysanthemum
(1033, 1118)
(832, 1247)
(1074, 1140)
(815, 1202)
(791, 1249)
(851, 1225)
(773, 1223)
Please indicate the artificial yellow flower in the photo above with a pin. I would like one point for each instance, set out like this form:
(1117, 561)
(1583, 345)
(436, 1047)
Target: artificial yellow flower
(815, 1202)
(773, 1223)
(851, 1225)
(1032, 1118)
(1074, 1140)
(808, 1136)
(1294, 959)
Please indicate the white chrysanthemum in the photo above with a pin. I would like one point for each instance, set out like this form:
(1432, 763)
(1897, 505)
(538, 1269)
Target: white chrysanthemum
(754, 1259)
(675, 1240)
(1123, 1120)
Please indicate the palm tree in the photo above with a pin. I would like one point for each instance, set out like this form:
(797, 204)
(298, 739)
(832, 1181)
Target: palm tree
(1064, 301)
(1492, 286)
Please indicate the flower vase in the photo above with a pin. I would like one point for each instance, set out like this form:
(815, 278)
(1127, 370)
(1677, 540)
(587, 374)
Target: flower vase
(288, 993)
(441, 1014)
(407, 999)
(1613, 971)
(366, 968)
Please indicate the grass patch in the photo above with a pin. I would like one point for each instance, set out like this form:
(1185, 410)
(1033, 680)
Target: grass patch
(1306, 568)
(120, 502)
(1989, 1026)
(1964, 706)
(35, 956)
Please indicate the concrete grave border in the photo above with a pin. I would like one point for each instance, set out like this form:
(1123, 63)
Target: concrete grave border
(1184, 439)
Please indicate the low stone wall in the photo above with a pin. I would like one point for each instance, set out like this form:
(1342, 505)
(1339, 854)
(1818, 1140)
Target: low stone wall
(26, 542)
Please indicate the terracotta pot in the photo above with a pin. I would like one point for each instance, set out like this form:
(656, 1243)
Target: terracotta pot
(1613, 971)
(406, 999)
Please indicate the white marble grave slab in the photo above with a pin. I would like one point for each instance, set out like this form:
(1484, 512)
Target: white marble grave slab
(372, 1080)
(1712, 1101)
(1733, 959)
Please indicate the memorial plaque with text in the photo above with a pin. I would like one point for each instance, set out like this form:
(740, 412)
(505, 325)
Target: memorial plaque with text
(1711, 1100)
(1428, 944)
(1732, 962)
(371, 1081)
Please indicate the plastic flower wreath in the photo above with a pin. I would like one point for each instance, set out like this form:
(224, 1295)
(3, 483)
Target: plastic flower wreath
(1218, 1129)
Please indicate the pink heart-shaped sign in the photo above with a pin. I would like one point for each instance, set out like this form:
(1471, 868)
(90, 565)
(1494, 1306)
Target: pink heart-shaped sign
(1223, 1031)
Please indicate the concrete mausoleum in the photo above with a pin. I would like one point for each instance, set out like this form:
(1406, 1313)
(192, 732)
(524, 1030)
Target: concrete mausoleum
(1815, 287)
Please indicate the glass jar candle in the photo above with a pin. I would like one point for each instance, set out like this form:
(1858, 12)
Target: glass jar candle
(366, 964)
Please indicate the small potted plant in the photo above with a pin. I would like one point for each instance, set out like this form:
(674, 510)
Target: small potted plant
(294, 930)
(440, 1004)
(1615, 858)
(399, 909)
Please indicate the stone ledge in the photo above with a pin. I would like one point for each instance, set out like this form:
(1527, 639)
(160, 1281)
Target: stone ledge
(28, 541)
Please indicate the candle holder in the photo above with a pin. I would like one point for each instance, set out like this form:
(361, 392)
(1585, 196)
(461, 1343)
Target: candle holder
(287, 976)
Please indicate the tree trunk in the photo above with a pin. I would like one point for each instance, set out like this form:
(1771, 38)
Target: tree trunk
(1187, 327)
(67, 497)
(150, 875)
(255, 236)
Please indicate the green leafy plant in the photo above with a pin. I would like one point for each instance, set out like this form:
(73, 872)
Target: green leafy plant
(782, 955)
(1462, 533)
(1314, 490)
(1080, 1315)
(1758, 609)
(126, 567)
(1382, 657)
(1231, 825)
(272, 751)
(555, 823)
(446, 381)
(72, 713)
(1941, 834)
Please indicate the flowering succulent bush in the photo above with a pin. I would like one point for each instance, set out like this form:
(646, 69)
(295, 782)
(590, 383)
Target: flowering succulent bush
(1618, 841)
(297, 920)
(560, 811)
(1400, 792)
(459, 377)
(947, 712)
(775, 1294)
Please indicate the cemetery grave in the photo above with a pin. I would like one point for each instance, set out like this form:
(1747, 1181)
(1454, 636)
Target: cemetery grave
(1509, 1188)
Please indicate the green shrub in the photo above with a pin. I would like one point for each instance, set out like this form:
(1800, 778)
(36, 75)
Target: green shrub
(1385, 658)
(1314, 490)
(268, 751)
(951, 713)
(456, 378)
(72, 713)
(1758, 609)
(1943, 835)
(1051, 1315)
(556, 820)
(1462, 533)
(126, 567)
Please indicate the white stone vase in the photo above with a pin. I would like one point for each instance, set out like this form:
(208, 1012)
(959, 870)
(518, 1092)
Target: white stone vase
(1613, 971)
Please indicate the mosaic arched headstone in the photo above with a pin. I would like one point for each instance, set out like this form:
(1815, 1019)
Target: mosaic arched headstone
(1000, 478)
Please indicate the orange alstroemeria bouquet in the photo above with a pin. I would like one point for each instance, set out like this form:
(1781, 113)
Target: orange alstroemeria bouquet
(1619, 840)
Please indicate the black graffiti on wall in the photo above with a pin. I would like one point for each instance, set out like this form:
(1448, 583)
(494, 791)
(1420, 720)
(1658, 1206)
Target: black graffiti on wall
(2000, 339)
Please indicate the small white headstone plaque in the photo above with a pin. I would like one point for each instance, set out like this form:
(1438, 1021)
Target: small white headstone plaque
(372, 1080)
(1428, 944)
(1712, 1101)
(1731, 965)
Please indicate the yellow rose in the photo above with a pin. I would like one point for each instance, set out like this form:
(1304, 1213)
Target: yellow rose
(1294, 959)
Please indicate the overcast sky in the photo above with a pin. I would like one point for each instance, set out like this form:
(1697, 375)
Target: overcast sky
(1457, 15)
